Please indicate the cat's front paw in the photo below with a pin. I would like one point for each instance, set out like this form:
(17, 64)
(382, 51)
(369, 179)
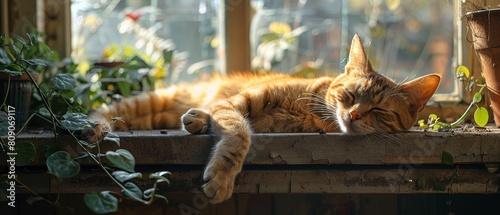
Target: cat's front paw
(219, 184)
(195, 121)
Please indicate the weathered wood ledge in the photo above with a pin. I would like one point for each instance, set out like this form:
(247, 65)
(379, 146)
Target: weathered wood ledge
(408, 162)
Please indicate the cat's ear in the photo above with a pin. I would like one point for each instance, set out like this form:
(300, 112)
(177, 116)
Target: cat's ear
(421, 90)
(358, 62)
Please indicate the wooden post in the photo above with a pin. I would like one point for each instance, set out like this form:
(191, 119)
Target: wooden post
(236, 33)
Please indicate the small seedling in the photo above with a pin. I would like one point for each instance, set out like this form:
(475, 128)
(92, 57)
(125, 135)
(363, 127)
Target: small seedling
(481, 115)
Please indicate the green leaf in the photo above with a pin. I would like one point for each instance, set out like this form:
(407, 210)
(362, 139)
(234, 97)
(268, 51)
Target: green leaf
(477, 97)
(63, 81)
(61, 165)
(68, 94)
(149, 193)
(26, 152)
(462, 71)
(158, 196)
(421, 183)
(481, 116)
(101, 203)
(44, 48)
(12, 72)
(168, 55)
(268, 37)
(4, 123)
(123, 176)
(75, 121)
(422, 124)
(35, 62)
(447, 158)
(34, 199)
(124, 88)
(20, 40)
(437, 186)
(136, 63)
(133, 190)
(14, 67)
(121, 159)
(44, 112)
(433, 117)
(159, 176)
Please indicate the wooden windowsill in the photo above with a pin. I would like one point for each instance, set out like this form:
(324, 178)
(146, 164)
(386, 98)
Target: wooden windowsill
(409, 162)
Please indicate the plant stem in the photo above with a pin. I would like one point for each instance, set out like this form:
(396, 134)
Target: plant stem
(33, 192)
(462, 118)
(46, 103)
(6, 93)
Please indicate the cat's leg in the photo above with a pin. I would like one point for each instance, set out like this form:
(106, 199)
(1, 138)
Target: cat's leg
(230, 151)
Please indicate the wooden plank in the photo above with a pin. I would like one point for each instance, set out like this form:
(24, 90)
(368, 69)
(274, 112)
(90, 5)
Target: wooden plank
(416, 148)
(387, 181)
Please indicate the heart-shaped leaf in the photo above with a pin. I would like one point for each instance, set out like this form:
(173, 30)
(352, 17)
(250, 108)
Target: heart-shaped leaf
(123, 176)
(75, 121)
(477, 97)
(26, 152)
(447, 158)
(61, 165)
(133, 192)
(101, 203)
(462, 71)
(122, 159)
(63, 81)
(481, 116)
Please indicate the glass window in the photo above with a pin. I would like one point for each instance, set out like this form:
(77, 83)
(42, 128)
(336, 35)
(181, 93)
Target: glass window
(403, 39)
(114, 30)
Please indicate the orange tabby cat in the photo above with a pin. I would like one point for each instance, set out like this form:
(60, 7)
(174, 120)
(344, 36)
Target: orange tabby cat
(359, 101)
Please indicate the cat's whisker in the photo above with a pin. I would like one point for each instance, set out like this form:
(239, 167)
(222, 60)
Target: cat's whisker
(389, 138)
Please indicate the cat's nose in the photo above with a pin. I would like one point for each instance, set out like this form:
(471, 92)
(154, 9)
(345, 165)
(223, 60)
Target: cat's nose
(354, 115)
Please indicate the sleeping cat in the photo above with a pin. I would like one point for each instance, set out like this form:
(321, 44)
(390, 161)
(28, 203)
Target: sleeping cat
(359, 101)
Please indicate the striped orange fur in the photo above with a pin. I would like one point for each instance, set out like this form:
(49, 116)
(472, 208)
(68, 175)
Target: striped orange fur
(359, 101)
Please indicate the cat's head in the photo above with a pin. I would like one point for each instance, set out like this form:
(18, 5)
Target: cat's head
(367, 102)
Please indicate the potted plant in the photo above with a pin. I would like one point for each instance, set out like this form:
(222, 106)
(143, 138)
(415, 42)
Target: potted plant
(484, 25)
(21, 59)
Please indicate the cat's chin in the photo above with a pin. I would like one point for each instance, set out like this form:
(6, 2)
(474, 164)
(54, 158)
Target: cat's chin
(348, 127)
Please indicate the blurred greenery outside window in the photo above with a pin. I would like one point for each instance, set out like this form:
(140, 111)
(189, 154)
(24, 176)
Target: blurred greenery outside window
(403, 39)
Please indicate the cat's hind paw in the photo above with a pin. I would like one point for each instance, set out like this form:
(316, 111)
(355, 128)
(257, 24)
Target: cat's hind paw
(195, 121)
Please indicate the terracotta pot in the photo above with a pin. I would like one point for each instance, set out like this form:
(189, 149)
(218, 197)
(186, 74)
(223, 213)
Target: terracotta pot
(19, 95)
(485, 28)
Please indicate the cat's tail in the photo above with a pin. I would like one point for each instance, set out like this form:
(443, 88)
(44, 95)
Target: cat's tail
(159, 109)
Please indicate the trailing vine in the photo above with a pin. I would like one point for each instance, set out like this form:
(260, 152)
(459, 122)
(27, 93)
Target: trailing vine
(18, 56)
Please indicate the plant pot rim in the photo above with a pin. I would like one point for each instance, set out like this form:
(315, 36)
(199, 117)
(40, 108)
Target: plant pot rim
(23, 77)
(481, 11)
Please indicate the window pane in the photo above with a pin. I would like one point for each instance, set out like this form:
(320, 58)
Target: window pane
(111, 30)
(403, 39)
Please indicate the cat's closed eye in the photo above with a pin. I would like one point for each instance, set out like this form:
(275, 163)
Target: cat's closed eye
(347, 97)
(376, 109)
